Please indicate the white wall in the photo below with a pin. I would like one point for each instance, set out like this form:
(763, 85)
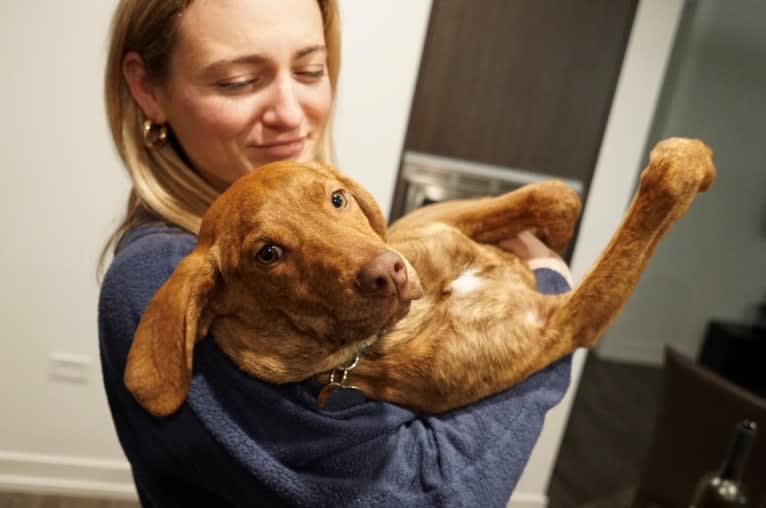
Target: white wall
(61, 192)
(64, 191)
(711, 264)
(382, 46)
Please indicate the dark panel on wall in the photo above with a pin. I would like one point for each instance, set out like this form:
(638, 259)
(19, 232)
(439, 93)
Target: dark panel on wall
(520, 83)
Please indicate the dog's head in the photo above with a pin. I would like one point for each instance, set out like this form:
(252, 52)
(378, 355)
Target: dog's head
(291, 273)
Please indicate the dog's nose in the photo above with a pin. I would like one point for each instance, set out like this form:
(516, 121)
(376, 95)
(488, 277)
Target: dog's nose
(383, 275)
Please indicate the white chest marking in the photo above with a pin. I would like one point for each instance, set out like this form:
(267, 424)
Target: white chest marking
(533, 319)
(467, 282)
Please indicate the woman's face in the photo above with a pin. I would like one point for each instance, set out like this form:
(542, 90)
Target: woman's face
(248, 85)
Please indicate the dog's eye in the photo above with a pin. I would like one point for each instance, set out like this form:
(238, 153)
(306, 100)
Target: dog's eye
(338, 199)
(269, 254)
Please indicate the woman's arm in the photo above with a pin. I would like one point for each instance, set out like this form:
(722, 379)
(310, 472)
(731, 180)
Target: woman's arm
(238, 441)
(537, 255)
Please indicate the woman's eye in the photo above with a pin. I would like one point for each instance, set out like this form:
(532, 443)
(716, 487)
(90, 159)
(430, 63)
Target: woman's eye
(269, 254)
(311, 74)
(338, 199)
(233, 86)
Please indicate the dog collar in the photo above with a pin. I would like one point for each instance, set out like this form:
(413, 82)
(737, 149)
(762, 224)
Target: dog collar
(342, 371)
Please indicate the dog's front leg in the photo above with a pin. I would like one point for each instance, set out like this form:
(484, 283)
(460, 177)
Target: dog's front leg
(677, 171)
(549, 208)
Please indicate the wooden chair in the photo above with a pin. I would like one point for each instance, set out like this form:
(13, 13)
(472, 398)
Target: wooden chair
(696, 418)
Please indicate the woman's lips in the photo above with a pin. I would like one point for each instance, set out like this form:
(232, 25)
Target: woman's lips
(282, 149)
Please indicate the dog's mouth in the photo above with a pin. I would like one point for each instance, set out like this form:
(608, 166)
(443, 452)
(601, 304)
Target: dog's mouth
(393, 312)
(378, 297)
(354, 306)
(377, 318)
(402, 309)
(396, 306)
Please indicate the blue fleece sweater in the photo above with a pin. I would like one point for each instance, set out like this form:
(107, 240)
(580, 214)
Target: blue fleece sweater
(240, 442)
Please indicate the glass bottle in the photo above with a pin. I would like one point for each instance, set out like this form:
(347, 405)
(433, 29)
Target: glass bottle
(724, 488)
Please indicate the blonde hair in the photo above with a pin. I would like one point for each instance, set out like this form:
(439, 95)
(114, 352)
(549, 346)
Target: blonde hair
(164, 187)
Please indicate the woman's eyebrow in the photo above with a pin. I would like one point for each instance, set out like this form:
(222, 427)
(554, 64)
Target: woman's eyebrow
(223, 64)
(256, 59)
(310, 50)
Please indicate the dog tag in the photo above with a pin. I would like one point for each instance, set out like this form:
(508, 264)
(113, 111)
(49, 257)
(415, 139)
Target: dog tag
(325, 393)
(352, 395)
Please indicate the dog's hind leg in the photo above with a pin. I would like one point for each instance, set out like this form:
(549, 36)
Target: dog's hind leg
(549, 208)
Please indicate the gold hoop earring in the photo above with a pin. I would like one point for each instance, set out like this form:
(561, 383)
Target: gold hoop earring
(155, 135)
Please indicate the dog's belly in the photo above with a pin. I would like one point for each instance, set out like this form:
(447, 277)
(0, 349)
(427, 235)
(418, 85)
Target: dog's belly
(494, 301)
(456, 339)
(473, 290)
(474, 293)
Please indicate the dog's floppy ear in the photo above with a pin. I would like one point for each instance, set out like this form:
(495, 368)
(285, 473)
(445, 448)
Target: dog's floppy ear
(158, 370)
(367, 203)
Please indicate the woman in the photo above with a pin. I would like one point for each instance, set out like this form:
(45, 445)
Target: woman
(198, 93)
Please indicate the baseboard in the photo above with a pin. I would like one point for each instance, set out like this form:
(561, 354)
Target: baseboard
(527, 500)
(74, 476)
(68, 476)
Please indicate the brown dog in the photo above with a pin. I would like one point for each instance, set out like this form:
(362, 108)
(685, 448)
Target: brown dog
(293, 277)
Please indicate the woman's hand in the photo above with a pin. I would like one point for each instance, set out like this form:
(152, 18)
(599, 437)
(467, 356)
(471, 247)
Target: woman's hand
(536, 254)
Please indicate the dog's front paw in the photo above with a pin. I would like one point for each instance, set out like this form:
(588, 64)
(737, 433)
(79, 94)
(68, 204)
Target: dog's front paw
(678, 169)
(556, 208)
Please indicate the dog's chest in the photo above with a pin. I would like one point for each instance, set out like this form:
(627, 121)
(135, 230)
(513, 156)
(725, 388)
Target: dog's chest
(466, 283)
(489, 290)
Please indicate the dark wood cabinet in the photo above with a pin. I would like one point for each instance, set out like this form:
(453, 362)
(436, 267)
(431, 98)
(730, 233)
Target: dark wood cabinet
(525, 84)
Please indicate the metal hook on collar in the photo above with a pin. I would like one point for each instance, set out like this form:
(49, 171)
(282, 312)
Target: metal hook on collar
(345, 370)
(335, 385)
(353, 363)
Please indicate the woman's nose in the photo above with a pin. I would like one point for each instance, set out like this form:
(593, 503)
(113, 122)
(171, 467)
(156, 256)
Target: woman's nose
(284, 109)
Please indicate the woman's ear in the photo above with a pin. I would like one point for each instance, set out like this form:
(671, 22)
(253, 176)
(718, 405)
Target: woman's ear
(158, 370)
(367, 203)
(145, 93)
